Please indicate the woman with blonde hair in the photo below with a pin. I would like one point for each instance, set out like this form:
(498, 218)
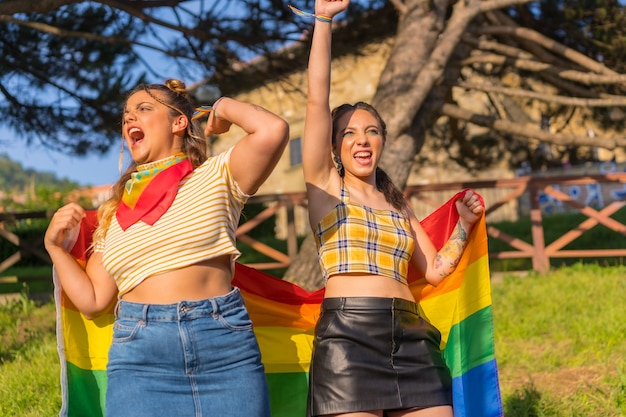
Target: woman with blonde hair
(164, 252)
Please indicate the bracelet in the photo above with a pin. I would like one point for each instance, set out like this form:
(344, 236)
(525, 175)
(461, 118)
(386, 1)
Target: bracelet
(319, 17)
(215, 108)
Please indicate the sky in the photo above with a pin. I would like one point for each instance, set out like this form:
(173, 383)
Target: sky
(92, 170)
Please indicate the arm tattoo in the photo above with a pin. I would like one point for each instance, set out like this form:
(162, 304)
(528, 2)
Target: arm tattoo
(259, 108)
(449, 256)
(460, 233)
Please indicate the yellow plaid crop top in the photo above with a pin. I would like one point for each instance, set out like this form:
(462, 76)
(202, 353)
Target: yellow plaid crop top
(358, 239)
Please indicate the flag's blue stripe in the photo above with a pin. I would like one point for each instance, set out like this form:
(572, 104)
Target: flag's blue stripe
(476, 393)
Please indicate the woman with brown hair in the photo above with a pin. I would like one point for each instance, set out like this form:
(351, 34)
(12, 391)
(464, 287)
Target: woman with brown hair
(373, 354)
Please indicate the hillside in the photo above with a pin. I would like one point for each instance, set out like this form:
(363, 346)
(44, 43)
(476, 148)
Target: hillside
(15, 179)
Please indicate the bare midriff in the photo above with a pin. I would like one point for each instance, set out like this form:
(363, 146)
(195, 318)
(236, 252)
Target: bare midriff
(203, 280)
(364, 285)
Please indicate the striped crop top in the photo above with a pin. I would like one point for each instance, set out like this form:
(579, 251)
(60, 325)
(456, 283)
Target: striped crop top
(358, 239)
(199, 225)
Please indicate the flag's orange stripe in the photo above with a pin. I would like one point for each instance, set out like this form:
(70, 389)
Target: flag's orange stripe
(264, 312)
(67, 304)
(422, 290)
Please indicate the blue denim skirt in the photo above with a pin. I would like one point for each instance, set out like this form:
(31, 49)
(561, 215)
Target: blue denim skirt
(191, 358)
(372, 353)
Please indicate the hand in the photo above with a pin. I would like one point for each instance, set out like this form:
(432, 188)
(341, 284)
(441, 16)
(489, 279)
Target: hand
(470, 207)
(217, 125)
(330, 8)
(65, 219)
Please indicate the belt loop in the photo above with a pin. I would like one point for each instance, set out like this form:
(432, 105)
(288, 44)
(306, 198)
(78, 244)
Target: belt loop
(342, 306)
(145, 313)
(116, 309)
(215, 306)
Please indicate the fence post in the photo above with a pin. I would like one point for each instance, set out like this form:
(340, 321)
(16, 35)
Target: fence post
(292, 236)
(540, 260)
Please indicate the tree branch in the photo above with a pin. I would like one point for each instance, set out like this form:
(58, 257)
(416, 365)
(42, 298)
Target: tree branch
(9, 7)
(536, 66)
(144, 17)
(53, 30)
(506, 126)
(568, 101)
(416, 92)
(499, 18)
(400, 7)
(494, 46)
(487, 6)
(549, 44)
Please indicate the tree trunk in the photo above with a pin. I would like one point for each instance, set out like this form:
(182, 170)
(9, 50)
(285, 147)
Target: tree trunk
(305, 269)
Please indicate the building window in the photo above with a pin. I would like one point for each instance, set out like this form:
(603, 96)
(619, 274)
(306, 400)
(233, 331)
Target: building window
(295, 152)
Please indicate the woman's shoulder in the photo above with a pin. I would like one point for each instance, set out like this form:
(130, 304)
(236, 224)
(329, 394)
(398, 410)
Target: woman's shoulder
(215, 161)
(216, 170)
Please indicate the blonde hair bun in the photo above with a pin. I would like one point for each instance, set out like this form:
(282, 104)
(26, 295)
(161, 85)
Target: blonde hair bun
(176, 86)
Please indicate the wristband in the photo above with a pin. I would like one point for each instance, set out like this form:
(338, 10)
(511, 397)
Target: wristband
(319, 17)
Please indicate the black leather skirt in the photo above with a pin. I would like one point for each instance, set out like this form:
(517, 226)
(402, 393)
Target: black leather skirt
(373, 353)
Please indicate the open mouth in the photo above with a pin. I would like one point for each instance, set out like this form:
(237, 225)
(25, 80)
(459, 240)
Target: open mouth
(135, 134)
(363, 157)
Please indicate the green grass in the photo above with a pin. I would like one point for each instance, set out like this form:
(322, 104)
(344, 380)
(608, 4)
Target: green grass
(561, 342)
(560, 345)
(29, 363)
(29, 383)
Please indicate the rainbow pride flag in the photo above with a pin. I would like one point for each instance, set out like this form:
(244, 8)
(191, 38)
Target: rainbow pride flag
(284, 317)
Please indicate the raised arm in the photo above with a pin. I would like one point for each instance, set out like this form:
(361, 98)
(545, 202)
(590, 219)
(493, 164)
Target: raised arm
(91, 290)
(436, 266)
(257, 153)
(317, 160)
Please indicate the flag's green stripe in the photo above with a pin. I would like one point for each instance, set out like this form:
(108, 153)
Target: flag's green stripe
(475, 335)
(86, 392)
(288, 393)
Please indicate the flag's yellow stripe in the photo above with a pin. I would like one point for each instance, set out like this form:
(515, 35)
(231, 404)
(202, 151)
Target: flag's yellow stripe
(284, 349)
(87, 341)
(444, 311)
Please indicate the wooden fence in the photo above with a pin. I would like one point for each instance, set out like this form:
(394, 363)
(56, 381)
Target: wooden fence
(597, 196)
(531, 196)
